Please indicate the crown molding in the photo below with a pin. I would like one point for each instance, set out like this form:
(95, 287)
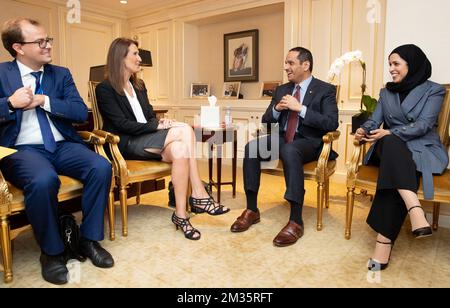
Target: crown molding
(87, 7)
(160, 6)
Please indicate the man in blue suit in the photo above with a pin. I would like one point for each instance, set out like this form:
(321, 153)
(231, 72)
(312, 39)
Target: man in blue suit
(38, 103)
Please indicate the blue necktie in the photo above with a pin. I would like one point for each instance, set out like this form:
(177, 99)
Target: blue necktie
(44, 124)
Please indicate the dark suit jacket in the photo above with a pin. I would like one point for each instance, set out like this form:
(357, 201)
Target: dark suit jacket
(66, 104)
(321, 116)
(118, 117)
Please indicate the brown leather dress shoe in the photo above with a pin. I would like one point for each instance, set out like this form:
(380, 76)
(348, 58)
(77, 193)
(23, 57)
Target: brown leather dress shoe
(289, 234)
(243, 222)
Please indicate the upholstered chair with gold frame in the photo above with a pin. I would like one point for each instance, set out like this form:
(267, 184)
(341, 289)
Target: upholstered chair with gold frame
(365, 177)
(12, 203)
(126, 172)
(318, 171)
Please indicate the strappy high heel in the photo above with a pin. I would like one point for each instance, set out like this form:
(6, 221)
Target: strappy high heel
(375, 266)
(424, 231)
(208, 205)
(184, 224)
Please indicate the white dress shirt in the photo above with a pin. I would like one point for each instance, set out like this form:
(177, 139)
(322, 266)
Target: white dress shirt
(135, 105)
(30, 131)
(302, 113)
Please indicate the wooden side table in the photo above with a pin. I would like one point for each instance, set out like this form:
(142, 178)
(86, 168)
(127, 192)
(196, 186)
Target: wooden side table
(160, 113)
(217, 136)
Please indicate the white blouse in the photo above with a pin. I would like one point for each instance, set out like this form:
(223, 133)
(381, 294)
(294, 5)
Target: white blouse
(136, 106)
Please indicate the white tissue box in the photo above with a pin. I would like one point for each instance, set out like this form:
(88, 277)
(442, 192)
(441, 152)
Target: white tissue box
(210, 116)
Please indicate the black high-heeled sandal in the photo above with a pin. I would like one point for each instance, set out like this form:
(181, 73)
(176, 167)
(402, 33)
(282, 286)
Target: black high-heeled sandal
(375, 266)
(208, 205)
(184, 224)
(424, 231)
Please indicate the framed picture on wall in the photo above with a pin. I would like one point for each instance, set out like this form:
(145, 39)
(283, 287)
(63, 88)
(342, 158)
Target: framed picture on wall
(267, 88)
(241, 56)
(199, 90)
(231, 90)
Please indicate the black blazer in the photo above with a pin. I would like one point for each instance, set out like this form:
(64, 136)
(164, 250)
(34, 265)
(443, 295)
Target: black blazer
(321, 116)
(118, 117)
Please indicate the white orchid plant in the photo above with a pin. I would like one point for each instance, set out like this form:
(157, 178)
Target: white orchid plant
(336, 68)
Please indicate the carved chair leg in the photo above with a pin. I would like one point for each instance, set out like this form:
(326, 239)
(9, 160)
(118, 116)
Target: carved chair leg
(320, 201)
(6, 249)
(138, 194)
(124, 209)
(364, 193)
(349, 211)
(436, 210)
(111, 216)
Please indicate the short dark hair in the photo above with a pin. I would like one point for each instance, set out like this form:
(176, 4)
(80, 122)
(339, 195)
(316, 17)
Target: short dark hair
(12, 33)
(304, 55)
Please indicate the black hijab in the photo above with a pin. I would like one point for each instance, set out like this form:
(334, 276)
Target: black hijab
(419, 70)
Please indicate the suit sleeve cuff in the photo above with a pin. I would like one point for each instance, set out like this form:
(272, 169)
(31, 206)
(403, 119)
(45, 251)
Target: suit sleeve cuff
(302, 112)
(47, 106)
(276, 114)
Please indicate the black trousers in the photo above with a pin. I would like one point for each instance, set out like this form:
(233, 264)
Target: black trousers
(294, 155)
(397, 170)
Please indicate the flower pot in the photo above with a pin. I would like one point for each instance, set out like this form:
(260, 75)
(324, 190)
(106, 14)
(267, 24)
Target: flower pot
(358, 120)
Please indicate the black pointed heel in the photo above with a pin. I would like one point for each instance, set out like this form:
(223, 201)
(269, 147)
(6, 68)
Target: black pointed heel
(424, 231)
(208, 205)
(184, 224)
(375, 266)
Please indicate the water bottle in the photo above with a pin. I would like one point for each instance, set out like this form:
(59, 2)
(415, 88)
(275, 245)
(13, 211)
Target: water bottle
(228, 118)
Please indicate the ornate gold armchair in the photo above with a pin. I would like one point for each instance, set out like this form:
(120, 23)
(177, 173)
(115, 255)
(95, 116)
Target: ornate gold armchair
(12, 203)
(365, 177)
(126, 172)
(318, 171)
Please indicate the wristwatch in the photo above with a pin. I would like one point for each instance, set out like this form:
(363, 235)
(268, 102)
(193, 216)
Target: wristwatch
(10, 106)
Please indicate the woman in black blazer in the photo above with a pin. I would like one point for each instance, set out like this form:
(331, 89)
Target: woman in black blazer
(126, 111)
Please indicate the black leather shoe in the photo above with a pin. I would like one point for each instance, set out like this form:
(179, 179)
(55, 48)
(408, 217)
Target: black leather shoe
(424, 231)
(98, 255)
(376, 266)
(54, 268)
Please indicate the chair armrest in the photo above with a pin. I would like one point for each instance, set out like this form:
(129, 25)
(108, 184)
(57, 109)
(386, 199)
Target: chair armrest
(263, 130)
(119, 163)
(353, 164)
(322, 162)
(110, 138)
(96, 140)
(5, 197)
(331, 136)
(91, 138)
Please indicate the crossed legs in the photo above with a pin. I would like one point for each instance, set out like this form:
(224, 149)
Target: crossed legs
(179, 149)
(395, 196)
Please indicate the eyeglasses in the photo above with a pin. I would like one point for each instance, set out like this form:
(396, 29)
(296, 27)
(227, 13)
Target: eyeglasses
(41, 42)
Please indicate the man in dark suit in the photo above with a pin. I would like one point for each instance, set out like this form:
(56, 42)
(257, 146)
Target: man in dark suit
(38, 103)
(305, 110)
